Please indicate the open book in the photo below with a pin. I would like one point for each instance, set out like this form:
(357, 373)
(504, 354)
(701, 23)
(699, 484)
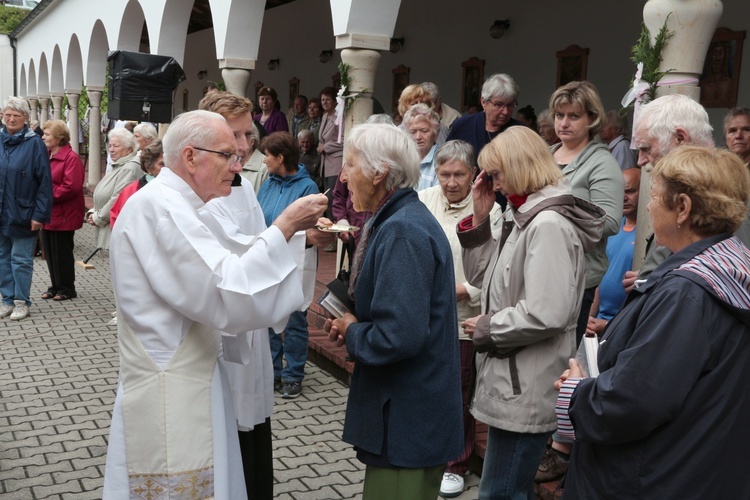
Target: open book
(333, 305)
(587, 356)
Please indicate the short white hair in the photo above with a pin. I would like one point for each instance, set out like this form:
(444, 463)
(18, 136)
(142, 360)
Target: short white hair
(125, 136)
(146, 130)
(500, 85)
(378, 146)
(18, 104)
(663, 116)
(189, 129)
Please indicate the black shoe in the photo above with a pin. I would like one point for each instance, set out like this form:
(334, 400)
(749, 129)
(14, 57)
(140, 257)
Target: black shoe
(291, 390)
(277, 385)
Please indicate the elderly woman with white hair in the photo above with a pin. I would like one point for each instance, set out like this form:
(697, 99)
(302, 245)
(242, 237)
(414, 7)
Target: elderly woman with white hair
(25, 205)
(126, 168)
(404, 410)
(423, 125)
(144, 133)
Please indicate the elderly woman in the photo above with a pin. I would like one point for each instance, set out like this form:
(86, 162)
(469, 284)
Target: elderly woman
(330, 145)
(450, 202)
(270, 117)
(674, 364)
(417, 94)
(255, 169)
(422, 124)
(152, 161)
(404, 410)
(25, 205)
(531, 272)
(287, 181)
(546, 127)
(144, 133)
(68, 209)
(125, 169)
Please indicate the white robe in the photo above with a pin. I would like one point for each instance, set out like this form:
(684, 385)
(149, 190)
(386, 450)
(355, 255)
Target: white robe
(170, 270)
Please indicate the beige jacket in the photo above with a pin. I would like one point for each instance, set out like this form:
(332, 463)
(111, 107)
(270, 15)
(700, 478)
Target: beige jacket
(532, 276)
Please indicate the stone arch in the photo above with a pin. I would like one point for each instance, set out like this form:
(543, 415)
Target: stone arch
(237, 28)
(171, 35)
(22, 90)
(56, 81)
(43, 76)
(131, 27)
(74, 65)
(97, 58)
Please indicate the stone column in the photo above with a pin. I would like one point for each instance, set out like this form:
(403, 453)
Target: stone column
(44, 115)
(363, 63)
(34, 106)
(95, 123)
(57, 99)
(236, 74)
(692, 23)
(73, 121)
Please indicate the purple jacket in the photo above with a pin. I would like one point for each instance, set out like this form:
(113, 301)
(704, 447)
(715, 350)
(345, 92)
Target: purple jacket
(275, 123)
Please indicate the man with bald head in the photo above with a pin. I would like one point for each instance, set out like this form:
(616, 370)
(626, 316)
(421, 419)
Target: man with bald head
(181, 276)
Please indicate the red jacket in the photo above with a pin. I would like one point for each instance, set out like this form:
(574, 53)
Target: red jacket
(68, 205)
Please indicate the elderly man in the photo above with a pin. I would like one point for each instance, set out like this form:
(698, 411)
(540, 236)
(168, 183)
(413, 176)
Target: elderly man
(180, 274)
(613, 136)
(737, 132)
(664, 124)
(297, 117)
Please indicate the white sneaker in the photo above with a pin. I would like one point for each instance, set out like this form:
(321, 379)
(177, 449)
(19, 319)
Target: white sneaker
(112, 322)
(452, 485)
(6, 311)
(20, 311)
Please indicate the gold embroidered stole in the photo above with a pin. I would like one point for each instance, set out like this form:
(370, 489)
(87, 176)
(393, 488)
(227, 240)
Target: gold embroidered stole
(167, 416)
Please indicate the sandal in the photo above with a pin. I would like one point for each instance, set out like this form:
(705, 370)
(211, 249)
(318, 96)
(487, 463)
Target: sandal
(62, 296)
(48, 295)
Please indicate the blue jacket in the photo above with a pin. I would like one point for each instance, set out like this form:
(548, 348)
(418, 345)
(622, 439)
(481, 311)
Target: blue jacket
(25, 183)
(471, 128)
(277, 192)
(404, 402)
(667, 416)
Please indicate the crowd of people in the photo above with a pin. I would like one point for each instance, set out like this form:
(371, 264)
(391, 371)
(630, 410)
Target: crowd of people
(483, 248)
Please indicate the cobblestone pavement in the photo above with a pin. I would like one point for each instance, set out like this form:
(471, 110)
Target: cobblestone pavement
(58, 375)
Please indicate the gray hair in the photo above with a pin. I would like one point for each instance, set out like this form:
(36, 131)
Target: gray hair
(432, 89)
(545, 116)
(382, 118)
(125, 136)
(18, 104)
(734, 112)
(378, 146)
(302, 133)
(500, 85)
(146, 130)
(618, 122)
(455, 150)
(189, 129)
(422, 111)
(661, 118)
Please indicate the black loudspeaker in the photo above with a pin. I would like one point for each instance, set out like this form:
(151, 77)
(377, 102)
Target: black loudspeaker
(141, 85)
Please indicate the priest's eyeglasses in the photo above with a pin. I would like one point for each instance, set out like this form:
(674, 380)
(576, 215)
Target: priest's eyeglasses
(230, 157)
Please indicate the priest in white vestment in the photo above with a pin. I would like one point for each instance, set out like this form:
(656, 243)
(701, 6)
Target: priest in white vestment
(179, 278)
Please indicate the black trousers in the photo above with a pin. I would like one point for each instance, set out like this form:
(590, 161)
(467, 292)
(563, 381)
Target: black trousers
(257, 461)
(58, 250)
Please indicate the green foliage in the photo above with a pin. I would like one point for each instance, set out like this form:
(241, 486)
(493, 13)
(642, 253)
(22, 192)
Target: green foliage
(11, 17)
(651, 57)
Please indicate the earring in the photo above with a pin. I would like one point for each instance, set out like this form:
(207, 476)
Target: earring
(678, 225)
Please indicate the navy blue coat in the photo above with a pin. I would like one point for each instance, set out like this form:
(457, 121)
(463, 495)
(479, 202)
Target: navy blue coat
(668, 415)
(405, 345)
(471, 128)
(25, 183)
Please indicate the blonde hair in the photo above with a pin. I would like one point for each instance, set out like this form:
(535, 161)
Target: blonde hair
(524, 158)
(585, 95)
(715, 180)
(59, 130)
(410, 94)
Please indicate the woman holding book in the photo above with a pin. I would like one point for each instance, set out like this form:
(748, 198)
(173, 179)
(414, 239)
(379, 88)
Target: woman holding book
(674, 363)
(404, 410)
(531, 271)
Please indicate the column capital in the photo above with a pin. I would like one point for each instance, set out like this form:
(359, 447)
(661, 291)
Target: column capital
(234, 63)
(358, 41)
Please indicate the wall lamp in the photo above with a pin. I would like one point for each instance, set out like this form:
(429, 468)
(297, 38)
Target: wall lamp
(497, 30)
(273, 64)
(202, 74)
(325, 56)
(396, 44)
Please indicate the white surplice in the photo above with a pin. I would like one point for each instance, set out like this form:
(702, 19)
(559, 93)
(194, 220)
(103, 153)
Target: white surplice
(169, 270)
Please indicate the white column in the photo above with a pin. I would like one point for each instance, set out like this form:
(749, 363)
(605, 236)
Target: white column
(236, 74)
(363, 64)
(57, 99)
(95, 152)
(34, 106)
(44, 115)
(73, 121)
(692, 24)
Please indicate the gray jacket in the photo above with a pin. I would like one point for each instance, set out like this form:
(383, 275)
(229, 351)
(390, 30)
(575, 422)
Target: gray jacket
(596, 177)
(532, 276)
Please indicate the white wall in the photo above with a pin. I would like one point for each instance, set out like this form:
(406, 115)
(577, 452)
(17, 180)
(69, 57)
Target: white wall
(6, 62)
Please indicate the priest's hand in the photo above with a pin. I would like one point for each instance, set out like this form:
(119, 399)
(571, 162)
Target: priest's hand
(320, 238)
(337, 328)
(301, 215)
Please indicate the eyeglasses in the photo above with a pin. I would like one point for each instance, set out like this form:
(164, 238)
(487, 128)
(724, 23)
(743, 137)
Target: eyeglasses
(230, 157)
(498, 105)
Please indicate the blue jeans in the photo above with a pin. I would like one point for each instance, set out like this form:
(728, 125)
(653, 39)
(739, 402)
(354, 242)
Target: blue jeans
(294, 348)
(510, 462)
(16, 268)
